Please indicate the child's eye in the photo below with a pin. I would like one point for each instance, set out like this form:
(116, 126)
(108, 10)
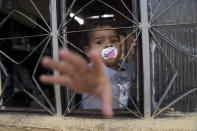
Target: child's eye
(114, 41)
(99, 42)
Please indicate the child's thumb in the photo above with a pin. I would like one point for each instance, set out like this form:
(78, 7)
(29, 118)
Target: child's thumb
(97, 62)
(106, 100)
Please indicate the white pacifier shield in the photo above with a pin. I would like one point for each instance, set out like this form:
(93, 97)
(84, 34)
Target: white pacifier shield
(108, 53)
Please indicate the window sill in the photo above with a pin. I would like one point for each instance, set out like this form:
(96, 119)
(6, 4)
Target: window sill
(26, 122)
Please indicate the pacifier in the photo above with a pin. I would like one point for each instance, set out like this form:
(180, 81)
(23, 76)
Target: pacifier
(108, 53)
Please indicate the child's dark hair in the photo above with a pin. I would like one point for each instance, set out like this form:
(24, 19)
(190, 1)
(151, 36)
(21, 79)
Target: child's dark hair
(92, 24)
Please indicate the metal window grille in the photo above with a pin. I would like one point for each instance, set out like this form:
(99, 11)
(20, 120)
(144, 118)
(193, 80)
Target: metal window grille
(164, 33)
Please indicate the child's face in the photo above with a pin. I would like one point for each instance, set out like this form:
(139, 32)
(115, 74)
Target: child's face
(108, 44)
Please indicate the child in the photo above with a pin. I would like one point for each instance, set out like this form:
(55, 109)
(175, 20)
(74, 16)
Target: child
(109, 45)
(75, 73)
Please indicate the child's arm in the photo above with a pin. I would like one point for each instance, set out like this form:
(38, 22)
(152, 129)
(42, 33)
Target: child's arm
(77, 75)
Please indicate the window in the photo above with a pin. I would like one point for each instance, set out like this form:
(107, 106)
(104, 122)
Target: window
(161, 32)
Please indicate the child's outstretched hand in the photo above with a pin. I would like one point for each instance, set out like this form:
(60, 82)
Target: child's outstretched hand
(77, 75)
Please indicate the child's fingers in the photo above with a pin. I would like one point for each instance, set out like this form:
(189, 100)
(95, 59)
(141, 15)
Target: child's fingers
(74, 59)
(60, 66)
(49, 79)
(63, 81)
(97, 62)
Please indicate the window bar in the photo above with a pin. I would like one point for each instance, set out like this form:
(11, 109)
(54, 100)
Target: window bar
(63, 17)
(54, 33)
(134, 43)
(35, 81)
(173, 44)
(32, 2)
(22, 61)
(133, 112)
(117, 28)
(175, 101)
(172, 79)
(16, 11)
(155, 11)
(5, 101)
(146, 58)
(177, 25)
(38, 101)
(72, 45)
(174, 3)
(132, 14)
(118, 12)
(3, 85)
(61, 27)
(67, 111)
(0, 88)
(64, 12)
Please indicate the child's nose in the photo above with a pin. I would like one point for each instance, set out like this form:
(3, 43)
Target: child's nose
(108, 44)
